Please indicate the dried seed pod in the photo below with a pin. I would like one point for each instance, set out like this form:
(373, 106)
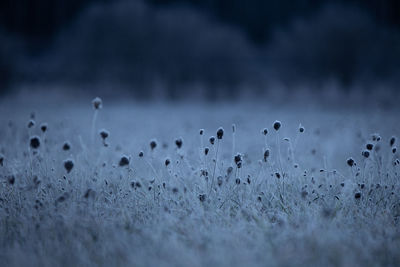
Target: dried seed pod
(178, 142)
(124, 161)
(277, 125)
(97, 103)
(35, 142)
(220, 133)
(68, 165)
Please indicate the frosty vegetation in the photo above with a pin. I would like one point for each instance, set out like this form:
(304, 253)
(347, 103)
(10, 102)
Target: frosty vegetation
(128, 185)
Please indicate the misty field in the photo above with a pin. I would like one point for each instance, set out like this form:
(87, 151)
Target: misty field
(120, 183)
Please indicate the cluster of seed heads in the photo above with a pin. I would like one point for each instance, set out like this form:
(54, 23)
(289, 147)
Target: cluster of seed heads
(238, 160)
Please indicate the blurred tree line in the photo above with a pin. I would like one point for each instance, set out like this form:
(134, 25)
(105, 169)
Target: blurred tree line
(218, 43)
(41, 19)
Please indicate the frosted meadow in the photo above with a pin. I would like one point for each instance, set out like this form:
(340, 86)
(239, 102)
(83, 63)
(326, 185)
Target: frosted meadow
(106, 183)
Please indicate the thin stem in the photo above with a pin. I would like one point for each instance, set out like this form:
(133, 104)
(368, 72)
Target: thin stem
(215, 166)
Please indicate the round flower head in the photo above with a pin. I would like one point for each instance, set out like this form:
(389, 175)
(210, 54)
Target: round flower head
(35, 142)
(369, 146)
(68, 165)
(153, 144)
(277, 125)
(301, 129)
(266, 155)
(104, 134)
(365, 153)
(141, 154)
(350, 162)
(220, 133)
(97, 103)
(66, 146)
(264, 131)
(124, 161)
(43, 127)
(212, 140)
(178, 142)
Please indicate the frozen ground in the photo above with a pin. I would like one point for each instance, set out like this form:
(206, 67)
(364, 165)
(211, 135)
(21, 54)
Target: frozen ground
(319, 212)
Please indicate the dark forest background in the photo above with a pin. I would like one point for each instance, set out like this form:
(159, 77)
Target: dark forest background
(215, 46)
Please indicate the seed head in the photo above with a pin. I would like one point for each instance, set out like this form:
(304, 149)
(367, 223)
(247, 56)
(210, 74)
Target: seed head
(392, 140)
(97, 103)
(238, 160)
(202, 197)
(301, 129)
(237, 181)
(220, 133)
(369, 146)
(264, 131)
(394, 149)
(35, 142)
(201, 131)
(350, 162)
(1, 159)
(365, 153)
(277, 125)
(68, 165)
(153, 144)
(178, 142)
(124, 161)
(357, 195)
(43, 127)
(266, 155)
(167, 162)
(66, 146)
(31, 123)
(233, 128)
(219, 179)
(212, 140)
(104, 134)
(141, 154)
(206, 150)
(11, 179)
